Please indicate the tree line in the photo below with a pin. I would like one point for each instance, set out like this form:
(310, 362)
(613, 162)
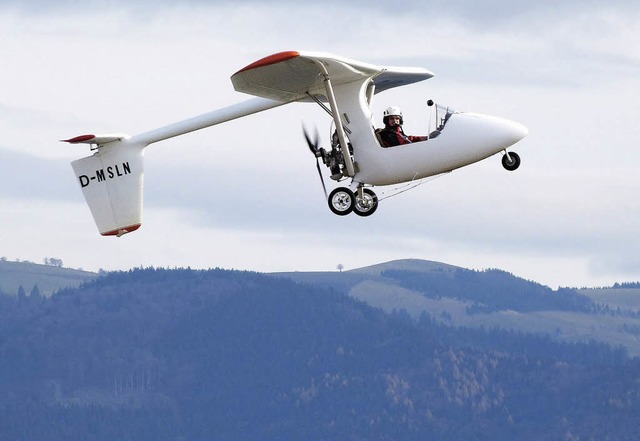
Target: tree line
(187, 354)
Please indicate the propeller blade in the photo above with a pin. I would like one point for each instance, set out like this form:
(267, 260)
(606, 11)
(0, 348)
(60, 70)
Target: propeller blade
(314, 146)
(312, 143)
(326, 196)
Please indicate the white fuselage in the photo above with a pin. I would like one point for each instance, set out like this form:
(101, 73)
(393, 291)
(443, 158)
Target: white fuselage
(465, 139)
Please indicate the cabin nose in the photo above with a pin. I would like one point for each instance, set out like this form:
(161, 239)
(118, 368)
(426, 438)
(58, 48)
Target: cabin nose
(512, 131)
(491, 133)
(504, 132)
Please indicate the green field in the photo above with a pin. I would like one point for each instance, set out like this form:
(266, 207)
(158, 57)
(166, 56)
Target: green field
(48, 278)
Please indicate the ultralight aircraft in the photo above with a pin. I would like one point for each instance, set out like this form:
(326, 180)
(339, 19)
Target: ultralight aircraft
(111, 178)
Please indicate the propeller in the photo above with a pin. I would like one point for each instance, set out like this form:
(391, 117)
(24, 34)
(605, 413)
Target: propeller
(317, 152)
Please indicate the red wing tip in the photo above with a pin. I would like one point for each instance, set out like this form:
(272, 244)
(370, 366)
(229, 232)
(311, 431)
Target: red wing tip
(81, 138)
(121, 231)
(271, 59)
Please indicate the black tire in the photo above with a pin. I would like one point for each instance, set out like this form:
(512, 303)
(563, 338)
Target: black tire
(367, 205)
(511, 161)
(341, 201)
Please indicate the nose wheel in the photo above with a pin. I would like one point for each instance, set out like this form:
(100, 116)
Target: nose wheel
(511, 161)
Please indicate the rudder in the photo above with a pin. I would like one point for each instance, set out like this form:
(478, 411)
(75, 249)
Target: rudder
(112, 183)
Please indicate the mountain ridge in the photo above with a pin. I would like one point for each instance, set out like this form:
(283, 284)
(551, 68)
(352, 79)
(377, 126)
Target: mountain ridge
(420, 286)
(157, 354)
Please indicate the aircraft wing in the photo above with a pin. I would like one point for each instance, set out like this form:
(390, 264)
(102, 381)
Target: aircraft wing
(292, 76)
(400, 76)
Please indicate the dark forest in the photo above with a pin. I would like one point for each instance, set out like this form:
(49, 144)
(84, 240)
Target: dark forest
(156, 354)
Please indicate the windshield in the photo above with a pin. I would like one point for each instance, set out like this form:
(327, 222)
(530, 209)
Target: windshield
(438, 118)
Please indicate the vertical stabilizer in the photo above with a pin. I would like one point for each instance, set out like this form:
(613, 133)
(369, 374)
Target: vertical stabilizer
(112, 182)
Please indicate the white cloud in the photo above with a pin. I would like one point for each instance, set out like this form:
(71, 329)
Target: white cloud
(246, 194)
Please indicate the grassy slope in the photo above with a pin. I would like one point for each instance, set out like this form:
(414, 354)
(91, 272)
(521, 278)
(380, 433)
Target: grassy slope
(367, 285)
(48, 278)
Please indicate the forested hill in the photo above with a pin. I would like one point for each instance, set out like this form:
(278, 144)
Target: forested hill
(491, 299)
(222, 355)
(485, 291)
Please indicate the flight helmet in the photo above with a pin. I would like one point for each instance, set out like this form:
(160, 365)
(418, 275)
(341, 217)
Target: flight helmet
(392, 111)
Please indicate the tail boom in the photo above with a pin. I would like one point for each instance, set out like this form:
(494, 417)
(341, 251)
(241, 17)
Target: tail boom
(111, 178)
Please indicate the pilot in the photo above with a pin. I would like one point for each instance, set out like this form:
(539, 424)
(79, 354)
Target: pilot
(392, 134)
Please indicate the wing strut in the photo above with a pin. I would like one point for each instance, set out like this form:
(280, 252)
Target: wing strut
(326, 109)
(348, 163)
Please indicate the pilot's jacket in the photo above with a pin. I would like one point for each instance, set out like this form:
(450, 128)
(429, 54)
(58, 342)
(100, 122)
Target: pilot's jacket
(394, 135)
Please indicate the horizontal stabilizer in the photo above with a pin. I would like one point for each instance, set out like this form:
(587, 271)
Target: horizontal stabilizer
(95, 139)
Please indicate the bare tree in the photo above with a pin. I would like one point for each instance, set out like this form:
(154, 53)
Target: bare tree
(53, 261)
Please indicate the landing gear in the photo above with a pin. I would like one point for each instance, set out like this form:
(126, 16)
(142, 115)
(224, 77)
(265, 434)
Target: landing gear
(366, 204)
(341, 201)
(511, 161)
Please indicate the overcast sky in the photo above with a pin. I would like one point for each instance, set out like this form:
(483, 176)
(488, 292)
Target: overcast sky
(246, 195)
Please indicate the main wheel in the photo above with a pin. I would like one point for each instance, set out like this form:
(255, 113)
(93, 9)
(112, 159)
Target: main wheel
(511, 161)
(341, 201)
(366, 205)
